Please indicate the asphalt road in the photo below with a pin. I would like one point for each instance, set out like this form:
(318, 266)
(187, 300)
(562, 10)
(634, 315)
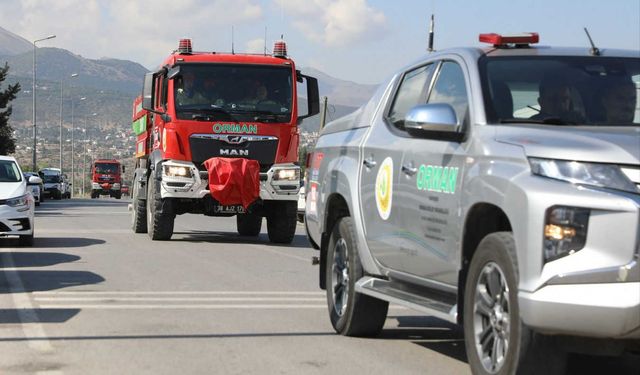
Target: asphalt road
(92, 297)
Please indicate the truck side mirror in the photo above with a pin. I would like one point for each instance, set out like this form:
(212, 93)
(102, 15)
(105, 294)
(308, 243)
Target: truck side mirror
(148, 91)
(437, 120)
(313, 97)
(123, 169)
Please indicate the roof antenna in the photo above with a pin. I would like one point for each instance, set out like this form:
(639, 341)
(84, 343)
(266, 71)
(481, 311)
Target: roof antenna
(430, 47)
(232, 49)
(265, 41)
(594, 50)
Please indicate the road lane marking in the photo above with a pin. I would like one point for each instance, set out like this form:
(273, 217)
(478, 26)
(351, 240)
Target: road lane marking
(176, 299)
(30, 323)
(178, 292)
(304, 259)
(181, 307)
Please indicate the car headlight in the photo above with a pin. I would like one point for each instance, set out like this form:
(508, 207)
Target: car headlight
(21, 202)
(582, 173)
(286, 174)
(177, 171)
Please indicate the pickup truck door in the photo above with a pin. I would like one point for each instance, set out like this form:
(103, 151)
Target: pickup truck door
(430, 180)
(381, 157)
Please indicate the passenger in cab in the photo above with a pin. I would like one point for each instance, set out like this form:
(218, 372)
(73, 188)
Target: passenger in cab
(619, 97)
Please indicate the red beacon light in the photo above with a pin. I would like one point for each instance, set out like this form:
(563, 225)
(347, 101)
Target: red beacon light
(503, 40)
(184, 47)
(280, 49)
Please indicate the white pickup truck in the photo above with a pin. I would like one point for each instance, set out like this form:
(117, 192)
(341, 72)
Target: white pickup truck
(496, 188)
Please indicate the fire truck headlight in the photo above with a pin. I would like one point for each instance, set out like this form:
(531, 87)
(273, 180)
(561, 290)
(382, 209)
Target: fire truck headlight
(177, 171)
(286, 174)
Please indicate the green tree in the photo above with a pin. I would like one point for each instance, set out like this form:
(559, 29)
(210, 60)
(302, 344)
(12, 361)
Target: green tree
(7, 142)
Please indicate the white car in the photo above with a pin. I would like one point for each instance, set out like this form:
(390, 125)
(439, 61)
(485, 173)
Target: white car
(16, 202)
(302, 202)
(34, 185)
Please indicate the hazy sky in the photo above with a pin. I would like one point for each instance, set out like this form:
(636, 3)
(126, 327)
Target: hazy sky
(358, 40)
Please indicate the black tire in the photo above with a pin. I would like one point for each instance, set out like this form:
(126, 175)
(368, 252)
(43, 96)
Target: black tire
(282, 221)
(138, 211)
(94, 195)
(496, 341)
(118, 195)
(159, 225)
(351, 313)
(249, 224)
(58, 195)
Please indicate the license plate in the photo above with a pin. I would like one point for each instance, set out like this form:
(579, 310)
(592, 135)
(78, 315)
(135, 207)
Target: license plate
(228, 209)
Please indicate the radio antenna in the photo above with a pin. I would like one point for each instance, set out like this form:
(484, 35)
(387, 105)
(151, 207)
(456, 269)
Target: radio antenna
(594, 50)
(265, 41)
(430, 46)
(232, 49)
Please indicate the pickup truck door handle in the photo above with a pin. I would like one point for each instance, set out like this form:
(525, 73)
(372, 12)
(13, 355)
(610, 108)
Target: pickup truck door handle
(369, 162)
(409, 169)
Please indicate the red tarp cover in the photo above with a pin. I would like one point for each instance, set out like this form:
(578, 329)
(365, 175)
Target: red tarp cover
(234, 180)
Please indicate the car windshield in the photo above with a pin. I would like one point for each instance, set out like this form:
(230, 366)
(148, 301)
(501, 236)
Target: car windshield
(9, 171)
(106, 168)
(228, 92)
(562, 90)
(50, 178)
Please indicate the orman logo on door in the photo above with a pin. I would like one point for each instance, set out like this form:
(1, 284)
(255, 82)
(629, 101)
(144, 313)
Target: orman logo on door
(384, 188)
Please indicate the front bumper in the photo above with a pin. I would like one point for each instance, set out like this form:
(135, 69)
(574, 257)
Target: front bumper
(197, 186)
(610, 310)
(14, 222)
(105, 187)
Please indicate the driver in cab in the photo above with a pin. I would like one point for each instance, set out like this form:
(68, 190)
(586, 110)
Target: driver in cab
(187, 92)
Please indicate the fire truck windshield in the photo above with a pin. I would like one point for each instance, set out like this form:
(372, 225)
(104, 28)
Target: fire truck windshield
(106, 168)
(233, 92)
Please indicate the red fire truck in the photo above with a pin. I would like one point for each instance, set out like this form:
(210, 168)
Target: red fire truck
(217, 134)
(106, 178)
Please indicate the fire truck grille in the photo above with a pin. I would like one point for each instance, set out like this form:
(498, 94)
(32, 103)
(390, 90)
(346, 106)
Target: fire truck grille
(260, 148)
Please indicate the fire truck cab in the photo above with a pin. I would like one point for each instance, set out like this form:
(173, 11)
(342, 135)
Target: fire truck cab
(218, 135)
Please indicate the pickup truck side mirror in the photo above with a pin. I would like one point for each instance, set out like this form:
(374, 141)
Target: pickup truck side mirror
(437, 120)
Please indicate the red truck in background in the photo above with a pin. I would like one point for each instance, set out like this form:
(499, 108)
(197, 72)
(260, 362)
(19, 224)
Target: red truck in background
(106, 178)
(217, 134)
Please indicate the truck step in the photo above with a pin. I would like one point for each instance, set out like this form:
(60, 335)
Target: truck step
(391, 292)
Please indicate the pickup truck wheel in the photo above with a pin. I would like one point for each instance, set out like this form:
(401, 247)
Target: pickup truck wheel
(248, 224)
(496, 340)
(138, 211)
(351, 313)
(159, 225)
(282, 221)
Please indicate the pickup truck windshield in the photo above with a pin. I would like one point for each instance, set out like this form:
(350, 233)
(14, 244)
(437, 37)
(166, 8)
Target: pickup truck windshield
(561, 90)
(107, 168)
(233, 92)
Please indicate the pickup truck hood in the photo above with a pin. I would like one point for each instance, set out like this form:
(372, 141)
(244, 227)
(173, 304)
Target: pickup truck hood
(10, 190)
(617, 145)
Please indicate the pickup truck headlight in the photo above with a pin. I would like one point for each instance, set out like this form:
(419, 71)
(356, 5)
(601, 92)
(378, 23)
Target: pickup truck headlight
(21, 202)
(286, 174)
(565, 231)
(591, 174)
